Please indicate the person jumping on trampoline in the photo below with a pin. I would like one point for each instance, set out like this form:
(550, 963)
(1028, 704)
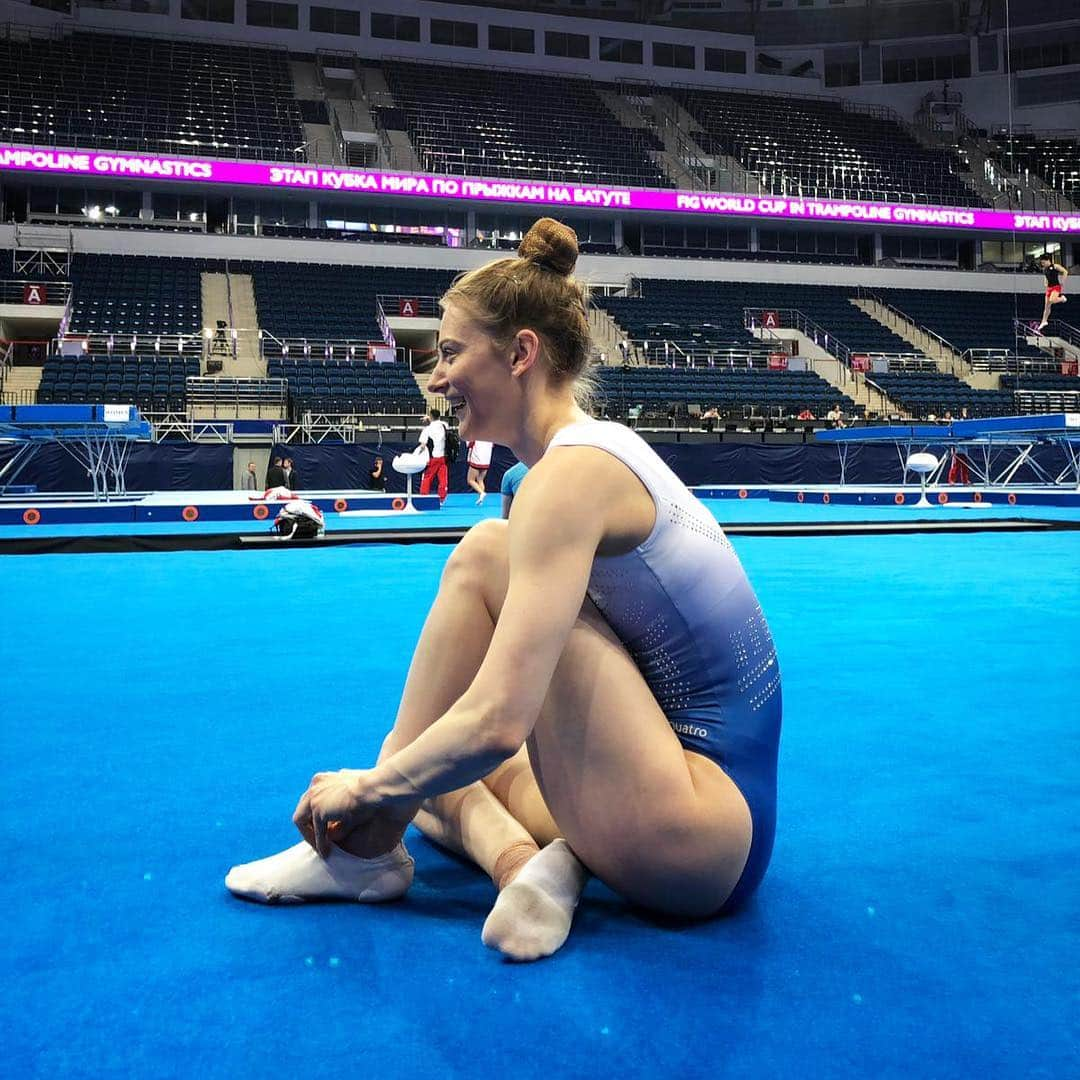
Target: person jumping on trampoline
(595, 689)
(1055, 275)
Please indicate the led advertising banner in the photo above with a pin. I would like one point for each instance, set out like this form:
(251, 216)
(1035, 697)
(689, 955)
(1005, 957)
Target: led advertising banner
(319, 179)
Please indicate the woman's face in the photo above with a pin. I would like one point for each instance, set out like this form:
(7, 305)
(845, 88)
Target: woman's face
(475, 376)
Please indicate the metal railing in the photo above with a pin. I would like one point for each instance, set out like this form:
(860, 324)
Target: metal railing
(897, 317)
(426, 307)
(1009, 188)
(680, 143)
(337, 136)
(324, 350)
(670, 354)
(1046, 401)
(321, 427)
(793, 319)
(124, 344)
(173, 425)
(774, 340)
(1007, 361)
(7, 360)
(230, 395)
(118, 224)
(52, 293)
(1064, 331)
(207, 343)
(229, 305)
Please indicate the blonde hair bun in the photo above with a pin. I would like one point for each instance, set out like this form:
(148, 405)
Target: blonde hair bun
(550, 245)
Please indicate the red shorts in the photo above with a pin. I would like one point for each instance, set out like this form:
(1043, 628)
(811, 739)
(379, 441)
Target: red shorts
(1052, 290)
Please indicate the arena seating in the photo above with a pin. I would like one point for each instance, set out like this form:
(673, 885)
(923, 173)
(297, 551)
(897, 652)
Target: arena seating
(1040, 382)
(668, 309)
(135, 294)
(815, 148)
(337, 303)
(107, 91)
(926, 393)
(735, 392)
(475, 122)
(348, 387)
(327, 302)
(154, 383)
(690, 314)
(970, 320)
(1055, 161)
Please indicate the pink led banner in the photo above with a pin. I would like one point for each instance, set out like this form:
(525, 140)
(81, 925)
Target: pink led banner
(317, 178)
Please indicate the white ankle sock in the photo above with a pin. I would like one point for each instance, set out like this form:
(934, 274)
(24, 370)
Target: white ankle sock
(298, 874)
(532, 916)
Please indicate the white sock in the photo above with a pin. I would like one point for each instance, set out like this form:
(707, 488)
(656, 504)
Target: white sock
(532, 916)
(299, 874)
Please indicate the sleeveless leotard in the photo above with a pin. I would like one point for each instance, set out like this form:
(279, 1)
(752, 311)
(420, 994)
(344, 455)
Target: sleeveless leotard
(684, 609)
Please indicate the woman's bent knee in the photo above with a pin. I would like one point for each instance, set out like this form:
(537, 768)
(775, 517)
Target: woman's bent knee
(482, 546)
(480, 565)
(480, 555)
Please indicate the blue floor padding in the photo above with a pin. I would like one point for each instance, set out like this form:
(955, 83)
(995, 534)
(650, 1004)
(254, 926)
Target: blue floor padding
(161, 714)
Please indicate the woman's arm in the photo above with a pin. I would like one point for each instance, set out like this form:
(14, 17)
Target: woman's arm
(557, 526)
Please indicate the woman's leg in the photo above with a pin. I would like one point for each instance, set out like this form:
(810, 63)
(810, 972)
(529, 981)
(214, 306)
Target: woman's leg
(472, 821)
(515, 786)
(667, 828)
(502, 822)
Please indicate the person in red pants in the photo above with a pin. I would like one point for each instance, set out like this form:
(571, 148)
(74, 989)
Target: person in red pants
(433, 440)
(959, 473)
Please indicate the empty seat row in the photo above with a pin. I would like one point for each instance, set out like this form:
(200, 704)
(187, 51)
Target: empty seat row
(819, 148)
(111, 91)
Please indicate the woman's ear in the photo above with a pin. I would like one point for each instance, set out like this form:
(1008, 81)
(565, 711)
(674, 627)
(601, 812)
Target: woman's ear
(525, 351)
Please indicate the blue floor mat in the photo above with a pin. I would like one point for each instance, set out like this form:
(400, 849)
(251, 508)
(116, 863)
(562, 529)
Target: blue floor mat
(163, 712)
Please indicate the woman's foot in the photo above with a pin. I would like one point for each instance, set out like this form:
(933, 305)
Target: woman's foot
(532, 916)
(298, 875)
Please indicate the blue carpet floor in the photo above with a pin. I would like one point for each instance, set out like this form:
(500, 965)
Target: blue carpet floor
(163, 712)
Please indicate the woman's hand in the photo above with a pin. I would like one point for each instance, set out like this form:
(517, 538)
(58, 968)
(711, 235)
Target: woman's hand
(334, 805)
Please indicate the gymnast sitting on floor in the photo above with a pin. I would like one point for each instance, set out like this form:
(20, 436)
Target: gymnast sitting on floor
(595, 689)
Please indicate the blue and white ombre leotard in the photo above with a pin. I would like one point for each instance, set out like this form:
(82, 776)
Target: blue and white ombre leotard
(684, 609)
